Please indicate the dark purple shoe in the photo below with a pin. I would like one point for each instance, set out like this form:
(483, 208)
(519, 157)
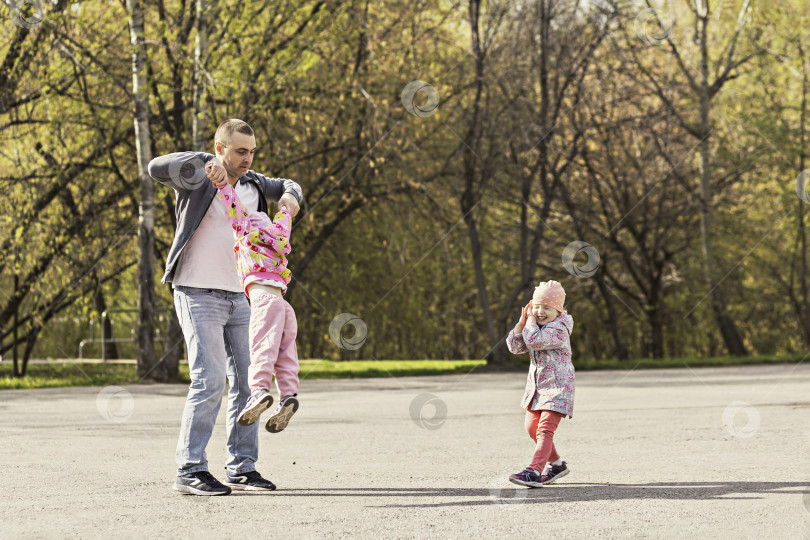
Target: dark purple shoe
(552, 473)
(527, 477)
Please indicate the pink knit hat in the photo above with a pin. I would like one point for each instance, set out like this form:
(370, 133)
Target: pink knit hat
(550, 293)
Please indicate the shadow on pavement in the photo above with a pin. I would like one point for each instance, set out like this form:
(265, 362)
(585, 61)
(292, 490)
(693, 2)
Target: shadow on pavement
(570, 492)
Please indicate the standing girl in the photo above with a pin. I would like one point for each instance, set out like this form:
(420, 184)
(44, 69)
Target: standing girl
(543, 331)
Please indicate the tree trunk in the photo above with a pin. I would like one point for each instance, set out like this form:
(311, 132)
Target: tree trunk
(174, 346)
(106, 322)
(655, 343)
(480, 278)
(172, 350)
(470, 198)
(529, 250)
(804, 312)
(727, 327)
(200, 52)
(16, 321)
(29, 346)
(613, 318)
(147, 360)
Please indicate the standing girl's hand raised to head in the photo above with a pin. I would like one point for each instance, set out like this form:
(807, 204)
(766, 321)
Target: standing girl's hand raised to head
(524, 315)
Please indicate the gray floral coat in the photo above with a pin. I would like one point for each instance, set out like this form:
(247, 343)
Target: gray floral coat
(550, 384)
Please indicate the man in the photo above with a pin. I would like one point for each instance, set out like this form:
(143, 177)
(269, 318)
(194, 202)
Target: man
(211, 305)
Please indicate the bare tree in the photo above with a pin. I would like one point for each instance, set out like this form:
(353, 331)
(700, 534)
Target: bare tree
(475, 173)
(703, 90)
(563, 41)
(795, 282)
(635, 191)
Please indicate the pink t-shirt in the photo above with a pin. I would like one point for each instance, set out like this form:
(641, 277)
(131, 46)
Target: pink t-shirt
(207, 260)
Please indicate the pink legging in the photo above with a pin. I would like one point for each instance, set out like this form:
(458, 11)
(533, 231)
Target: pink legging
(272, 343)
(541, 426)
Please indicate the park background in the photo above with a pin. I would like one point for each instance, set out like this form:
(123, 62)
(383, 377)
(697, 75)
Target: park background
(648, 156)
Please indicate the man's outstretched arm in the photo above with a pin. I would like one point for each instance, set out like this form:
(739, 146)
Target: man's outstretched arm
(183, 171)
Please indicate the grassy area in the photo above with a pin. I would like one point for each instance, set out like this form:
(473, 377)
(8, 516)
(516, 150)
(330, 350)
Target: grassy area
(56, 374)
(671, 363)
(59, 374)
(355, 369)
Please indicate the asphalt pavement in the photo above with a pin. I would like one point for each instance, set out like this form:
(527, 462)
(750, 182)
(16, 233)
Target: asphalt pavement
(686, 453)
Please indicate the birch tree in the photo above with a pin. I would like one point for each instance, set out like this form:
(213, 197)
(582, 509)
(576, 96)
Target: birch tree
(148, 366)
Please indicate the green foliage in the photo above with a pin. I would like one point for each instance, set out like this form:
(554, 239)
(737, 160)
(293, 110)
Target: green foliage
(62, 374)
(599, 364)
(381, 234)
(358, 369)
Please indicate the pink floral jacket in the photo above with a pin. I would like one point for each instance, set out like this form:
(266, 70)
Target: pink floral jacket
(550, 384)
(261, 245)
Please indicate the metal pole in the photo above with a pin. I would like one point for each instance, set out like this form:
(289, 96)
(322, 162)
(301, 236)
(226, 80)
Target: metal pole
(16, 320)
(103, 337)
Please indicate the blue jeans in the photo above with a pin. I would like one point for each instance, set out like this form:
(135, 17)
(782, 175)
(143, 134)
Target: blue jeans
(215, 326)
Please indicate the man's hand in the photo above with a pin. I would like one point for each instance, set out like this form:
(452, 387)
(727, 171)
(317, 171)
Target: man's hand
(216, 173)
(289, 202)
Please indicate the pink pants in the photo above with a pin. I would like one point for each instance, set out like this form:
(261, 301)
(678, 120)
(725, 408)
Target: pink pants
(272, 343)
(541, 426)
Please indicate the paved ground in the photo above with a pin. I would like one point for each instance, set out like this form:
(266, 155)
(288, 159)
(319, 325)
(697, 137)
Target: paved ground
(717, 453)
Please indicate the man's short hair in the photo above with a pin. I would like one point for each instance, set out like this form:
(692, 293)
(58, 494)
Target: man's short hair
(227, 128)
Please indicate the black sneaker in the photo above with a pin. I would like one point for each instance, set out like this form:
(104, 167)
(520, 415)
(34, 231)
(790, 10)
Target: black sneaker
(200, 483)
(258, 402)
(249, 481)
(281, 417)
